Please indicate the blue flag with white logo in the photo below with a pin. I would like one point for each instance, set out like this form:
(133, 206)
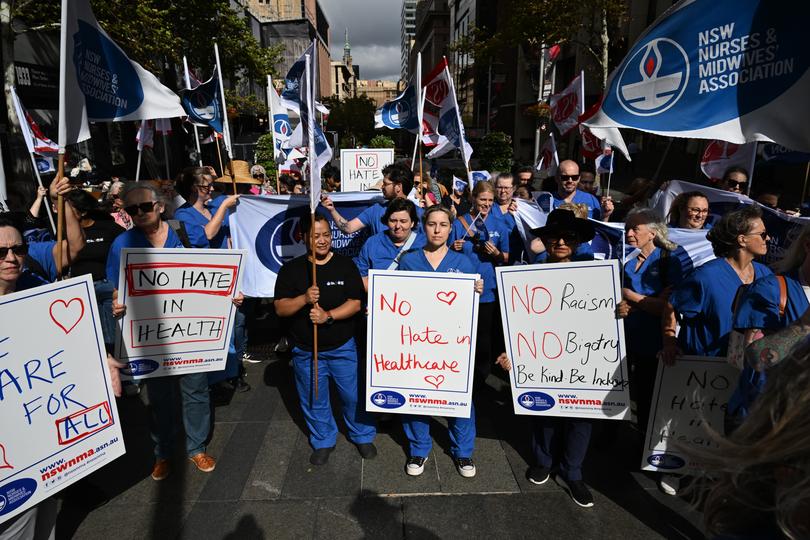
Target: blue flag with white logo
(203, 104)
(400, 112)
(732, 70)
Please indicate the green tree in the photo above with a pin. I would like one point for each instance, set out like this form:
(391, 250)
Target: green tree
(264, 152)
(495, 151)
(352, 118)
(381, 141)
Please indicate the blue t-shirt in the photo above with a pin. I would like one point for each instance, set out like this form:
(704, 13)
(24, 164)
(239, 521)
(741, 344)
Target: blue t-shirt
(581, 197)
(453, 261)
(704, 303)
(654, 275)
(498, 235)
(379, 252)
(372, 216)
(42, 252)
(133, 238)
(195, 224)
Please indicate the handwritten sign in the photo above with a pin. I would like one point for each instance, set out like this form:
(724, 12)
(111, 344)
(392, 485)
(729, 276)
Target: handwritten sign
(421, 342)
(360, 169)
(58, 419)
(566, 345)
(179, 315)
(689, 397)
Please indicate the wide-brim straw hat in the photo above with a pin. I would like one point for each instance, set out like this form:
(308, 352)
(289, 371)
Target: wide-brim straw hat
(239, 172)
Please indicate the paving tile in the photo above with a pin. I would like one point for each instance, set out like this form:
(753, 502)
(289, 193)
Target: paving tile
(250, 520)
(493, 472)
(133, 522)
(359, 517)
(235, 462)
(385, 474)
(339, 477)
(266, 478)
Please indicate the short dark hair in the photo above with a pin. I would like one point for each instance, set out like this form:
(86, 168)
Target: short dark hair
(723, 235)
(7, 219)
(307, 222)
(330, 171)
(523, 168)
(399, 174)
(400, 205)
(287, 180)
(184, 184)
(736, 169)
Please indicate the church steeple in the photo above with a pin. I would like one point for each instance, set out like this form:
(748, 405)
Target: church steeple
(347, 50)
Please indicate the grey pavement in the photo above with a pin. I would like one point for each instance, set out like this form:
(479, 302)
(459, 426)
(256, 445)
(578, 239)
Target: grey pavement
(265, 488)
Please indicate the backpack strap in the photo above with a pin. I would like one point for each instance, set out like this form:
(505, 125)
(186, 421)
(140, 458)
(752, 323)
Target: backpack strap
(783, 296)
(179, 229)
(465, 224)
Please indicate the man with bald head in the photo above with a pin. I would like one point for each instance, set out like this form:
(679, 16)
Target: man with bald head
(567, 192)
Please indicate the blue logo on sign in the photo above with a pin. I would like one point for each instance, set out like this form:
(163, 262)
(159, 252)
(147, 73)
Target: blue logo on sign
(110, 84)
(281, 125)
(15, 494)
(387, 399)
(666, 461)
(142, 366)
(536, 401)
(654, 78)
(280, 239)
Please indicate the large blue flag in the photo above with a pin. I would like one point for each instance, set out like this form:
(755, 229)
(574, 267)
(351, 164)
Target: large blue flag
(733, 70)
(400, 113)
(203, 104)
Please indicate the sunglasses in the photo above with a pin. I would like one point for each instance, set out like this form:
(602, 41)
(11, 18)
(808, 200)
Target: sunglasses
(20, 250)
(763, 234)
(735, 183)
(567, 238)
(565, 177)
(144, 207)
(258, 175)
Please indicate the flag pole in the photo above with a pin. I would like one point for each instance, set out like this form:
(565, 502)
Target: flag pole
(62, 137)
(166, 153)
(60, 216)
(271, 124)
(138, 167)
(308, 72)
(462, 137)
(196, 133)
(219, 152)
(48, 201)
(226, 135)
(751, 168)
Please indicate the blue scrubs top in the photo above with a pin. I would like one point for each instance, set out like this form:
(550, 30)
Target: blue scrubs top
(498, 235)
(654, 275)
(372, 216)
(453, 261)
(133, 238)
(42, 252)
(704, 303)
(379, 252)
(195, 224)
(580, 197)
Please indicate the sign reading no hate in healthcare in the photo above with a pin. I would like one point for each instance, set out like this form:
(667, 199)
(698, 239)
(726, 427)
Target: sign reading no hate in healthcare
(421, 342)
(566, 346)
(362, 168)
(58, 419)
(179, 316)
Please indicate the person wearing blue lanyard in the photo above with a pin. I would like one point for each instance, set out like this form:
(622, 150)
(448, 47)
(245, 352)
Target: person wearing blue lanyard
(769, 304)
(144, 203)
(435, 256)
(567, 192)
(483, 237)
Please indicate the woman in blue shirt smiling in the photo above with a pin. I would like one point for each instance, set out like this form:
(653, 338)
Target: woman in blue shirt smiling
(198, 214)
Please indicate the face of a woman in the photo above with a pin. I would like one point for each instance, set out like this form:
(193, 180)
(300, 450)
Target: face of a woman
(437, 229)
(756, 240)
(483, 203)
(10, 265)
(695, 214)
(141, 205)
(322, 238)
(115, 195)
(639, 235)
(399, 226)
(560, 246)
(204, 186)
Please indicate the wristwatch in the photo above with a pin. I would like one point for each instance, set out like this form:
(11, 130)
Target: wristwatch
(329, 318)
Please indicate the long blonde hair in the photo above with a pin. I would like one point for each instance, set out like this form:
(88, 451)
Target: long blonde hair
(795, 255)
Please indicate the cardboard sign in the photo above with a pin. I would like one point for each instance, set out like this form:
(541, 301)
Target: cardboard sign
(360, 169)
(179, 314)
(421, 342)
(689, 397)
(566, 345)
(58, 419)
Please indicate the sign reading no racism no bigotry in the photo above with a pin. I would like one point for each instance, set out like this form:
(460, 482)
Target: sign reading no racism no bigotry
(179, 314)
(566, 345)
(362, 168)
(421, 342)
(58, 419)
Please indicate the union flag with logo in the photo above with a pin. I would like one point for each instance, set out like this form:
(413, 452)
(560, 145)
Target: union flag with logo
(568, 105)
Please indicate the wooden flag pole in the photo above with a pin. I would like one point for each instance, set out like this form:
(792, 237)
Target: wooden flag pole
(233, 176)
(314, 284)
(60, 217)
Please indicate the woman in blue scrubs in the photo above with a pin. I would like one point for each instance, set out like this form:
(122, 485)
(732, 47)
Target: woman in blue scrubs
(437, 257)
(195, 185)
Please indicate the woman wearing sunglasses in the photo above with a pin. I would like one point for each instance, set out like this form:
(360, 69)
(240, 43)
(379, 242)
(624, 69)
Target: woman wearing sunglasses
(198, 214)
(144, 203)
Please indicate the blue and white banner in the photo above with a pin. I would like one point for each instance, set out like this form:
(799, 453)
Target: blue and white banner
(203, 104)
(269, 228)
(777, 152)
(401, 112)
(279, 123)
(99, 82)
(733, 70)
(292, 83)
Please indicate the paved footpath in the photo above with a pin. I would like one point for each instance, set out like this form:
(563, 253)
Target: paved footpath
(265, 488)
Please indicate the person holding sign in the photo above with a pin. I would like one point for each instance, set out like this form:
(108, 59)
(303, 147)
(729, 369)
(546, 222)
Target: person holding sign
(145, 204)
(435, 256)
(331, 303)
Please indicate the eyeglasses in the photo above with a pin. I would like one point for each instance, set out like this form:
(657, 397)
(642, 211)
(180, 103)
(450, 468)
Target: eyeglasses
(258, 175)
(565, 177)
(144, 207)
(763, 234)
(698, 211)
(20, 250)
(205, 187)
(504, 188)
(736, 183)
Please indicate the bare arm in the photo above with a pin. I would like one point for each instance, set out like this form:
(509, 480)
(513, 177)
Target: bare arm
(668, 325)
(212, 227)
(37, 206)
(347, 309)
(74, 234)
(347, 227)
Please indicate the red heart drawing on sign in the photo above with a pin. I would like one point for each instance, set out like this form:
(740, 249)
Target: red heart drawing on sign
(65, 316)
(435, 380)
(4, 464)
(446, 297)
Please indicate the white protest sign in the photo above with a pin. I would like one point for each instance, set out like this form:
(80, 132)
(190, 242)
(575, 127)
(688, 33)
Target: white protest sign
(566, 345)
(362, 168)
(58, 419)
(421, 342)
(179, 314)
(689, 397)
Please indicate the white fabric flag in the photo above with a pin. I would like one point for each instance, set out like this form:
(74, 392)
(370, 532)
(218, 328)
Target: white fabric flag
(568, 105)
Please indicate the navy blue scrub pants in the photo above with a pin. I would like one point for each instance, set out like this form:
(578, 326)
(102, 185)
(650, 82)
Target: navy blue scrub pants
(462, 435)
(562, 442)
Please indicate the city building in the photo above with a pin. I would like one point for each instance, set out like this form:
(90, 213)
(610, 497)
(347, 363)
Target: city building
(345, 73)
(408, 32)
(431, 34)
(378, 91)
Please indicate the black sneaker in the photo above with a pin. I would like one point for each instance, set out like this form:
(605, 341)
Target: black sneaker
(580, 493)
(320, 456)
(465, 467)
(367, 450)
(415, 465)
(538, 475)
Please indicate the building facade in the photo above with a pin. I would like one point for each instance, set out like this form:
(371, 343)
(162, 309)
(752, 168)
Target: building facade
(408, 29)
(378, 91)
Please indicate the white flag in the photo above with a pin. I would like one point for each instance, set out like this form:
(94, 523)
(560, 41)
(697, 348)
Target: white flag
(145, 136)
(548, 160)
(720, 155)
(568, 105)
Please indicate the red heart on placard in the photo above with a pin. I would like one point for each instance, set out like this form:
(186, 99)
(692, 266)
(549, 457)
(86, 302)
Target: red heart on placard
(446, 297)
(65, 316)
(4, 464)
(435, 380)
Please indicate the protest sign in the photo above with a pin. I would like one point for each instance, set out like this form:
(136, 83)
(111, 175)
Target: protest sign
(421, 342)
(360, 169)
(179, 314)
(566, 345)
(689, 397)
(58, 418)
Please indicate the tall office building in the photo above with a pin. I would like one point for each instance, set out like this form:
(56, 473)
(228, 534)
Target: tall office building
(408, 33)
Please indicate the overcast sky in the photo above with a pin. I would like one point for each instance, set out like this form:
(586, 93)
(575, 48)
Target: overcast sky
(374, 34)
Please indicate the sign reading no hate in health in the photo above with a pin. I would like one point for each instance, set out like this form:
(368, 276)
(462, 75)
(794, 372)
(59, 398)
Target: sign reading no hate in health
(360, 169)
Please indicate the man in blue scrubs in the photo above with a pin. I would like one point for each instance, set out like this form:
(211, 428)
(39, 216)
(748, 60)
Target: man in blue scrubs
(567, 183)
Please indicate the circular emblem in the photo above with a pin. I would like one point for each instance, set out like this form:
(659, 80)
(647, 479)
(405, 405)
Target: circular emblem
(654, 78)
(280, 239)
(282, 127)
(437, 91)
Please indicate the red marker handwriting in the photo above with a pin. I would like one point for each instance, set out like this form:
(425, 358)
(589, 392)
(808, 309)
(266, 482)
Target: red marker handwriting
(409, 336)
(435, 380)
(446, 297)
(4, 464)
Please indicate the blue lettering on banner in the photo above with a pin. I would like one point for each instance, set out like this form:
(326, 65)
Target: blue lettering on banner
(536, 401)
(666, 461)
(387, 399)
(15, 494)
(107, 78)
(141, 366)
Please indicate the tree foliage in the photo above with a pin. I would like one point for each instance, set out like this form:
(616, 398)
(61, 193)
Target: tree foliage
(381, 141)
(495, 152)
(264, 154)
(352, 118)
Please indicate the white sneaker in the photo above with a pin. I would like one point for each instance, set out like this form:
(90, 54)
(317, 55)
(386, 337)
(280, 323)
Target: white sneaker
(465, 467)
(415, 465)
(669, 484)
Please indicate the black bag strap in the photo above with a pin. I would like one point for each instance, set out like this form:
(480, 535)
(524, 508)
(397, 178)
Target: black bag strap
(179, 229)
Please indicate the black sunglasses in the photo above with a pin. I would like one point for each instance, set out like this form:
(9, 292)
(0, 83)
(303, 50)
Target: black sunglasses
(565, 177)
(20, 250)
(144, 207)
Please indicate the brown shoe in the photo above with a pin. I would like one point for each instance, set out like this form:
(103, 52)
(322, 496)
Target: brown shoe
(161, 470)
(204, 462)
